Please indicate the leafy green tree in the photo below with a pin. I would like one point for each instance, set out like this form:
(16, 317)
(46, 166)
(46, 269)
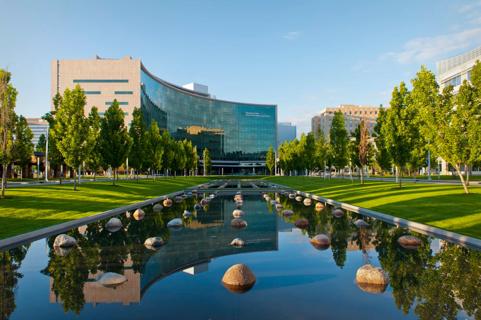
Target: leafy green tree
(137, 132)
(72, 129)
(8, 98)
(179, 162)
(307, 152)
(321, 152)
(55, 158)
(206, 160)
(94, 159)
(41, 144)
(115, 141)
(195, 159)
(338, 140)
(189, 155)
(363, 148)
(154, 148)
(22, 145)
(382, 156)
(169, 153)
(270, 159)
(396, 129)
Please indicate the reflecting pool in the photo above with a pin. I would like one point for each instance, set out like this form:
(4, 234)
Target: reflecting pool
(295, 279)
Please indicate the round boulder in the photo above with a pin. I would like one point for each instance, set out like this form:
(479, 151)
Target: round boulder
(371, 279)
(139, 214)
(111, 279)
(319, 206)
(64, 241)
(238, 223)
(320, 242)
(361, 223)
(409, 242)
(302, 223)
(167, 203)
(292, 195)
(237, 213)
(175, 223)
(307, 202)
(187, 214)
(298, 198)
(157, 207)
(153, 242)
(197, 207)
(238, 278)
(237, 242)
(279, 206)
(204, 202)
(338, 213)
(287, 213)
(113, 225)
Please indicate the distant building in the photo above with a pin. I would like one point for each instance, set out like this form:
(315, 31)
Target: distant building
(38, 126)
(286, 131)
(456, 69)
(353, 114)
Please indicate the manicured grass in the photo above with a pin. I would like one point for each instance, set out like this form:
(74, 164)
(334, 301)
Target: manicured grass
(34, 207)
(443, 206)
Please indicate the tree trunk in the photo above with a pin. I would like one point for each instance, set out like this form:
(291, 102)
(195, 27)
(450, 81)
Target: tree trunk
(468, 169)
(4, 180)
(458, 170)
(74, 180)
(361, 174)
(113, 180)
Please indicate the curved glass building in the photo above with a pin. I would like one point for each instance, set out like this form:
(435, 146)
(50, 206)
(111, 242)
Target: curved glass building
(237, 134)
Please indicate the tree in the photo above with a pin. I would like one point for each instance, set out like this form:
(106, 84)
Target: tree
(22, 145)
(396, 129)
(338, 139)
(307, 152)
(169, 154)
(195, 159)
(382, 156)
(41, 144)
(363, 147)
(72, 129)
(270, 160)
(206, 160)
(137, 132)
(55, 158)
(115, 141)
(321, 152)
(8, 97)
(154, 150)
(94, 159)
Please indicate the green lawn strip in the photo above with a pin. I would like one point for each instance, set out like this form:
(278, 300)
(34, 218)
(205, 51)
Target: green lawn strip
(29, 208)
(443, 206)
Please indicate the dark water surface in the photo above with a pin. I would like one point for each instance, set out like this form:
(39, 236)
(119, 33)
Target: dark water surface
(182, 279)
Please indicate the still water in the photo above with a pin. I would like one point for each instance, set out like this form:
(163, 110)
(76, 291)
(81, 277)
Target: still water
(295, 280)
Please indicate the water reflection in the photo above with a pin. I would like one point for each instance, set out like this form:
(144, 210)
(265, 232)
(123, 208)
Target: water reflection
(428, 284)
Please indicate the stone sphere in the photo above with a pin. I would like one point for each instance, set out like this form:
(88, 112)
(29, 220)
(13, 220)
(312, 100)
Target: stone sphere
(338, 213)
(279, 206)
(64, 241)
(175, 223)
(139, 214)
(153, 243)
(113, 225)
(237, 242)
(371, 279)
(157, 207)
(292, 195)
(204, 202)
(167, 203)
(287, 213)
(111, 279)
(239, 278)
(302, 223)
(238, 223)
(320, 242)
(187, 214)
(319, 206)
(237, 213)
(267, 198)
(307, 202)
(361, 223)
(298, 198)
(409, 242)
(197, 207)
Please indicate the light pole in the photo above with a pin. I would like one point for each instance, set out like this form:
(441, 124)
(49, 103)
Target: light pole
(46, 155)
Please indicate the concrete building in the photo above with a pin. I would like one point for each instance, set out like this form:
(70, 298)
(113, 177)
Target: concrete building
(237, 134)
(353, 114)
(456, 69)
(286, 131)
(38, 126)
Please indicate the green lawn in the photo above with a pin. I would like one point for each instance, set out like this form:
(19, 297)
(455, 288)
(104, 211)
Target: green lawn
(443, 206)
(30, 208)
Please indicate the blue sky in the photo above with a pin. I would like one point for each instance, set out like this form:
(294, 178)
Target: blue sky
(301, 55)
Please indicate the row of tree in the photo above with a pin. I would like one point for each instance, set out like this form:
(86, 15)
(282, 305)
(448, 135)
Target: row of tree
(106, 142)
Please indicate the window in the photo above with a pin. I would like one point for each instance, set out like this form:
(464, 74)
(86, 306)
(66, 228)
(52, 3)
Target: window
(123, 92)
(468, 75)
(456, 81)
(100, 81)
(122, 103)
(92, 92)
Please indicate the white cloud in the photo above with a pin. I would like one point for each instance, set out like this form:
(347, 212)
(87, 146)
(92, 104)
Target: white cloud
(426, 49)
(292, 35)
(469, 7)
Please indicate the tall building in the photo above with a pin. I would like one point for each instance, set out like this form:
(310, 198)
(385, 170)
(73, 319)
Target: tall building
(38, 126)
(286, 131)
(456, 69)
(353, 114)
(237, 134)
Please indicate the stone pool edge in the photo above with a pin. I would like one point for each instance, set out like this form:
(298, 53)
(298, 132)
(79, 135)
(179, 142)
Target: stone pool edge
(400, 222)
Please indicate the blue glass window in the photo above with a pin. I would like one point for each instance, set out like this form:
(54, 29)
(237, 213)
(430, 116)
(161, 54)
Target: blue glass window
(92, 92)
(100, 81)
(122, 103)
(123, 92)
(456, 81)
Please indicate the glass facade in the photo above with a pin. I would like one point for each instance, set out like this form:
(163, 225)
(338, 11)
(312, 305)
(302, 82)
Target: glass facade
(230, 130)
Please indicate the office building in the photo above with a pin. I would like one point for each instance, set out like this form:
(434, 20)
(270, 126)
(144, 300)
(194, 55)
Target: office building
(353, 114)
(237, 134)
(286, 131)
(38, 126)
(456, 69)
